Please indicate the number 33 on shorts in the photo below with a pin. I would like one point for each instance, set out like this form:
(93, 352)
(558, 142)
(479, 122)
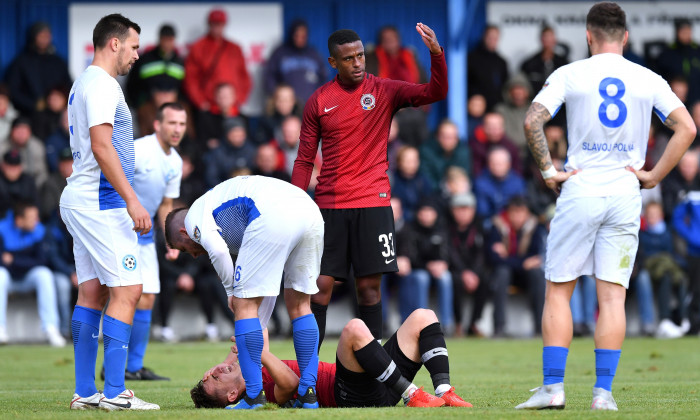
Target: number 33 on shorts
(387, 240)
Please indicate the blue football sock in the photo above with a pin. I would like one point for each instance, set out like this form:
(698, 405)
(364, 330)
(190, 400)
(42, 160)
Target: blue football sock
(249, 339)
(116, 341)
(85, 325)
(140, 332)
(305, 331)
(553, 364)
(605, 367)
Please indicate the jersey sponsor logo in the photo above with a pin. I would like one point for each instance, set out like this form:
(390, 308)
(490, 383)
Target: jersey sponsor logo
(197, 234)
(382, 195)
(129, 262)
(367, 101)
(607, 147)
(329, 109)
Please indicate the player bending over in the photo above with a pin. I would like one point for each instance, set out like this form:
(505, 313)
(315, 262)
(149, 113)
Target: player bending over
(365, 374)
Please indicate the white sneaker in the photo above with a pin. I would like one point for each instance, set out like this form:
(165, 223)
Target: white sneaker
(168, 335)
(603, 400)
(3, 336)
(668, 329)
(55, 337)
(126, 401)
(88, 403)
(685, 325)
(545, 397)
(212, 333)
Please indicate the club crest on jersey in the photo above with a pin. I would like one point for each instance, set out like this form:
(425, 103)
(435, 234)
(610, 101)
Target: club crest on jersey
(367, 101)
(197, 234)
(129, 262)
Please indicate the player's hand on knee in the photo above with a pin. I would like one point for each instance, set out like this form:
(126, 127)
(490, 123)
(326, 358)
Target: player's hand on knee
(555, 182)
(646, 180)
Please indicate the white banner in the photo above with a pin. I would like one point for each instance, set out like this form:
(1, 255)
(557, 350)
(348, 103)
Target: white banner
(256, 27)
(521, 22)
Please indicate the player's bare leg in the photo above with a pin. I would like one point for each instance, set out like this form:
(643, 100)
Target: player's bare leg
(93, 295)
(609, 336)
(369, 301)
(249, 340)
(358, 351)
(557, 332)
(319, 304)
(305, 335)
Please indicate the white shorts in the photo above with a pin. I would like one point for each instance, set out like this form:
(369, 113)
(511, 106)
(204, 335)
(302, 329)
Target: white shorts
(149, 268)
(292, 244)
(594, 236)
(105, 246)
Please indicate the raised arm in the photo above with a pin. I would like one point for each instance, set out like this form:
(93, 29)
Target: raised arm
(684, 132)
(535, 119)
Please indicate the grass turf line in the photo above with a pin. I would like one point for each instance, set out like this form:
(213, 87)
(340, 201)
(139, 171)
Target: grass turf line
(656, 379)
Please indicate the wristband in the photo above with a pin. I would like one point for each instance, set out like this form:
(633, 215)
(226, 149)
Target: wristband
(549, 172)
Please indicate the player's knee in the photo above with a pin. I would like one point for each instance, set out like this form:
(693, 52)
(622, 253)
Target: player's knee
(422, 317)
(368, 293)
(355, 329)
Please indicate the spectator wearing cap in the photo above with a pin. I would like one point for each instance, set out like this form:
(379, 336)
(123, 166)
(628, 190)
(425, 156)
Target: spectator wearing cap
(517, 94)
(57, 141)
(31, 150)
(214, 60)
(15, 184)
(8, 113)
(36, 70)
(497, 185)
(427, 246)
(467, 260)
(234, 152)
(50, 191)
(159, 68)
(296, 63)
(23, 268)
(515, 245)
(682, 58)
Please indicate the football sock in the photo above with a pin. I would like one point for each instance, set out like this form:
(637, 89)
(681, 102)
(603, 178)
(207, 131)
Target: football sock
(116, 341)
(378, 364)
(406, 395)
(85, 325)
(372, 317)
(553, 364)
(140, 332)
(605, 367)
(433, 354)
(249, 340)
(305, 333)
(319, 312)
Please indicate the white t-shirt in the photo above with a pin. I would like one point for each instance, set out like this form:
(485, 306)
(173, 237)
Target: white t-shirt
(96, 99)
(218, 219)
(609, 102)
(156, 175)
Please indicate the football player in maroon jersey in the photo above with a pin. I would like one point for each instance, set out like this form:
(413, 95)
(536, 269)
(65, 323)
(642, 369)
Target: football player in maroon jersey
(350, 116)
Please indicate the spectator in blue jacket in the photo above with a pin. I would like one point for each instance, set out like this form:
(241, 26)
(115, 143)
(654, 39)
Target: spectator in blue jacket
(58, 248)
(23, 268)
(407, 183)
(497, 185)
(686, 221)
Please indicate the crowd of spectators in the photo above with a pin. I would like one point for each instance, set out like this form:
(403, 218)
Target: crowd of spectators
(471, 213)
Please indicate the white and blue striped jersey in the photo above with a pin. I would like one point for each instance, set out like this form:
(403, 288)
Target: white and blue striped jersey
(156, 175)
(609, 103)
(219, 219)
(96, 98)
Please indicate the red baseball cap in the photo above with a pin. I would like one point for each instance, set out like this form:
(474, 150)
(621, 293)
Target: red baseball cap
(217, 16)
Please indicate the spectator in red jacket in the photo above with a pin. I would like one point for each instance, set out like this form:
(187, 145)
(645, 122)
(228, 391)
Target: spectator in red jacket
(214, 60)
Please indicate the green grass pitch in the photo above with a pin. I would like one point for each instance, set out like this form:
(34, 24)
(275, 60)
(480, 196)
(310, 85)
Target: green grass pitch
(656, 380)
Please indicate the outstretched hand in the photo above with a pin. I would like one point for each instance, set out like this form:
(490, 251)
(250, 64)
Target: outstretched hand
(555, 182)
(429, 38)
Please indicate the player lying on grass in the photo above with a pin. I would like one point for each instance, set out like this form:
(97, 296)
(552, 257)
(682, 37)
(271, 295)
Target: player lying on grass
(365, 374)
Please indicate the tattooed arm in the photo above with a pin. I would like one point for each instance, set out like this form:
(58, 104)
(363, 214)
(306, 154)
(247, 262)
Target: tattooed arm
(684, 132)
(535, 119)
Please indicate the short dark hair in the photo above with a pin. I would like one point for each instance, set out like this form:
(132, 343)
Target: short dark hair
(172, 105)
(112, 26)
(607, 21)
(340, 37)
(517, 201)
(171, 231)
(202, 399)
(20, 207)
(166, 30)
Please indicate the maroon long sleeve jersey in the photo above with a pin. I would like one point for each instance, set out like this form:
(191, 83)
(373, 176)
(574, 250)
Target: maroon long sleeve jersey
(352, 123)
